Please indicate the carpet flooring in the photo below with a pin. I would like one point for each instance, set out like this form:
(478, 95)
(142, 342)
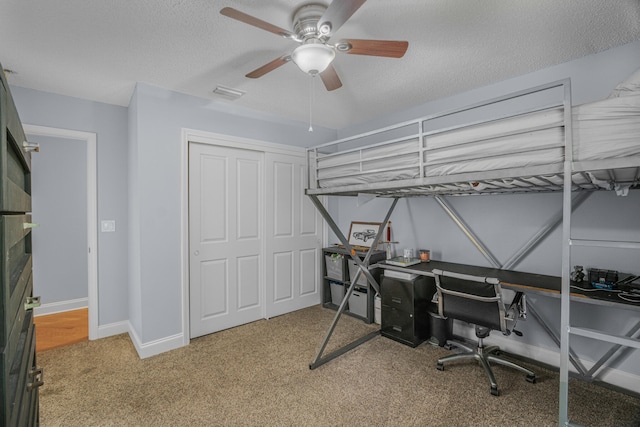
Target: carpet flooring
(258, 375)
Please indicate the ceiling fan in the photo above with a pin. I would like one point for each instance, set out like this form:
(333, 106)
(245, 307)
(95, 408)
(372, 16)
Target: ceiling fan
(313, 25)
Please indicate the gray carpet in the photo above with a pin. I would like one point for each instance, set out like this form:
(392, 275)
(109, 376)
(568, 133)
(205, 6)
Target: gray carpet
(258, 375)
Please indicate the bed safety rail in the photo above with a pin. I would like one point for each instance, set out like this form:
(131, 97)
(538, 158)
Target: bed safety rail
(511, 143)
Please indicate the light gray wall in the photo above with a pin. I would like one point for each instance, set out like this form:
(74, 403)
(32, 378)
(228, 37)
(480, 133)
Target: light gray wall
(159, 116)
(504, 223)
(109, 122)
(59, 193)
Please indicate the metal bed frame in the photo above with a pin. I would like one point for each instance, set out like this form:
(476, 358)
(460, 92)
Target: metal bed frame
(580, 177)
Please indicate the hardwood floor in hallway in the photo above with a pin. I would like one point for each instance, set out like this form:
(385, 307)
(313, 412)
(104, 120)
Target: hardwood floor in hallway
(60, 329)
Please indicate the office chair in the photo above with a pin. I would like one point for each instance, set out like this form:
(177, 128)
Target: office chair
(479, 301)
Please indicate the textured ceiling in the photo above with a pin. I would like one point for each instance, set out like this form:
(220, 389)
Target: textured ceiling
(98, 50)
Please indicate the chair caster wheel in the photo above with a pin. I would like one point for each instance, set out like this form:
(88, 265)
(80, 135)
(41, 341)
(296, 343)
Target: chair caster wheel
(440, 367)
(531, 379)
(495, 392)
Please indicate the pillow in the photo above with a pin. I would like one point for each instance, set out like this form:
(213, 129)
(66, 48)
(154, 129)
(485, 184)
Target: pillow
(627, 87)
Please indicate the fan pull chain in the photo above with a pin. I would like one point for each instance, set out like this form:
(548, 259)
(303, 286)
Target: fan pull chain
(311, 92)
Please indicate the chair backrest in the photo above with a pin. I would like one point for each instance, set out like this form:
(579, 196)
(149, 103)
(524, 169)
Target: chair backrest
(473, 299)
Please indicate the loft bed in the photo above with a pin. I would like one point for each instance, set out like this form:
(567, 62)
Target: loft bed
(533, 140)
(522, 150)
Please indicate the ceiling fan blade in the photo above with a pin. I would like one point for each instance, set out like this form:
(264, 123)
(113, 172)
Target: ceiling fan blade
(248, 19)
(386, 48)
(337, 14)
(259, 72)
(330, 78)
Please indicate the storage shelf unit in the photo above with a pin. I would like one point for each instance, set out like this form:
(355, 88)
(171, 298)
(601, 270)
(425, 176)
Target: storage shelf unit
(337, 269)
(20, 378)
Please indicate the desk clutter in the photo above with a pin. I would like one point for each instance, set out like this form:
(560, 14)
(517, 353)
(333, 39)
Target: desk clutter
(625, 286)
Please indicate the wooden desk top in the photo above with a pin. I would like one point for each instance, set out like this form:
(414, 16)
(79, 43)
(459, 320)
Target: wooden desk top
(517, 280)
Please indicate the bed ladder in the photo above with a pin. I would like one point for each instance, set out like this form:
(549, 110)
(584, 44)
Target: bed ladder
(566, 329)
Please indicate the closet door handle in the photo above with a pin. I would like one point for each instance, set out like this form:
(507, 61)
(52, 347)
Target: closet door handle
(37, 376)
(26, 225)
(31, 303)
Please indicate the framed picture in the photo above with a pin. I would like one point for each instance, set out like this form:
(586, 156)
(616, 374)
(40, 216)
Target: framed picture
(363, 233)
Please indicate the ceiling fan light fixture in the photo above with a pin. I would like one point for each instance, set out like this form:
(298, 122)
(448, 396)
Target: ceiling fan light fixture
(313, 58)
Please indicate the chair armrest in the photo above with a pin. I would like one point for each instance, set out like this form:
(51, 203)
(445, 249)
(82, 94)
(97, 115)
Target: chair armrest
(516, 310)
(519, 303)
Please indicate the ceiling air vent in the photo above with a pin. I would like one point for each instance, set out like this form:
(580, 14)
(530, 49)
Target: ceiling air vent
(228, 93)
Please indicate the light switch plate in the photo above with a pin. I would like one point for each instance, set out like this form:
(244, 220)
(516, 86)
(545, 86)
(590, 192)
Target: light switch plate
(108, 226)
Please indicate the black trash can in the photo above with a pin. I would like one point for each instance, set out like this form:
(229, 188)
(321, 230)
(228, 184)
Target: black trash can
(441, 328)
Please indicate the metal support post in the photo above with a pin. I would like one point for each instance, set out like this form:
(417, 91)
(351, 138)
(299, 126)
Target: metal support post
(544, 232)
(592, 372)
(362, 264)
(573, 358)
(467, 231)
(318, 361)
(563, 412)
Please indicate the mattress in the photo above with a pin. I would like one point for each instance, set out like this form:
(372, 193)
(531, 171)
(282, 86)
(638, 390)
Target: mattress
(602, 130)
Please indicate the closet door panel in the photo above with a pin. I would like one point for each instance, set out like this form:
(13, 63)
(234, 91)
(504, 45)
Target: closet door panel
(225, 204)
(293, 237)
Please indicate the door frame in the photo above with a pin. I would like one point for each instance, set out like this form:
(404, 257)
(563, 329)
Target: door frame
(90, 139)
(203, 137)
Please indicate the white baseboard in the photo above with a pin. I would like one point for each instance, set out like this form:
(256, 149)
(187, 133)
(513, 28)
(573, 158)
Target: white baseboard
(550, 357)
(144, 349)
(112, 329)
(61, 306)
(153, 348)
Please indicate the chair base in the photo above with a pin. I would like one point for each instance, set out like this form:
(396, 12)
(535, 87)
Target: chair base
(485, 356)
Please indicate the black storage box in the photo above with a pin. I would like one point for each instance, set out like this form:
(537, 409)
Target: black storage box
(602, 279)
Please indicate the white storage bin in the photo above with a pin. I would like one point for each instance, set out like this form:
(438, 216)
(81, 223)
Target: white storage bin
(358, 302)
(377, 309)
(353, 269)
(337, 292)
(334, 266)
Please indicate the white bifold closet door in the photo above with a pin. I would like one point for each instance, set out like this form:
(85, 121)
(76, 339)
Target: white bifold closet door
(294, 230)
(254, 238)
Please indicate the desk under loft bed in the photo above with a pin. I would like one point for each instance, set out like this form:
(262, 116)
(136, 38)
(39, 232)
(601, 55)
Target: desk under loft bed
(530, 141)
